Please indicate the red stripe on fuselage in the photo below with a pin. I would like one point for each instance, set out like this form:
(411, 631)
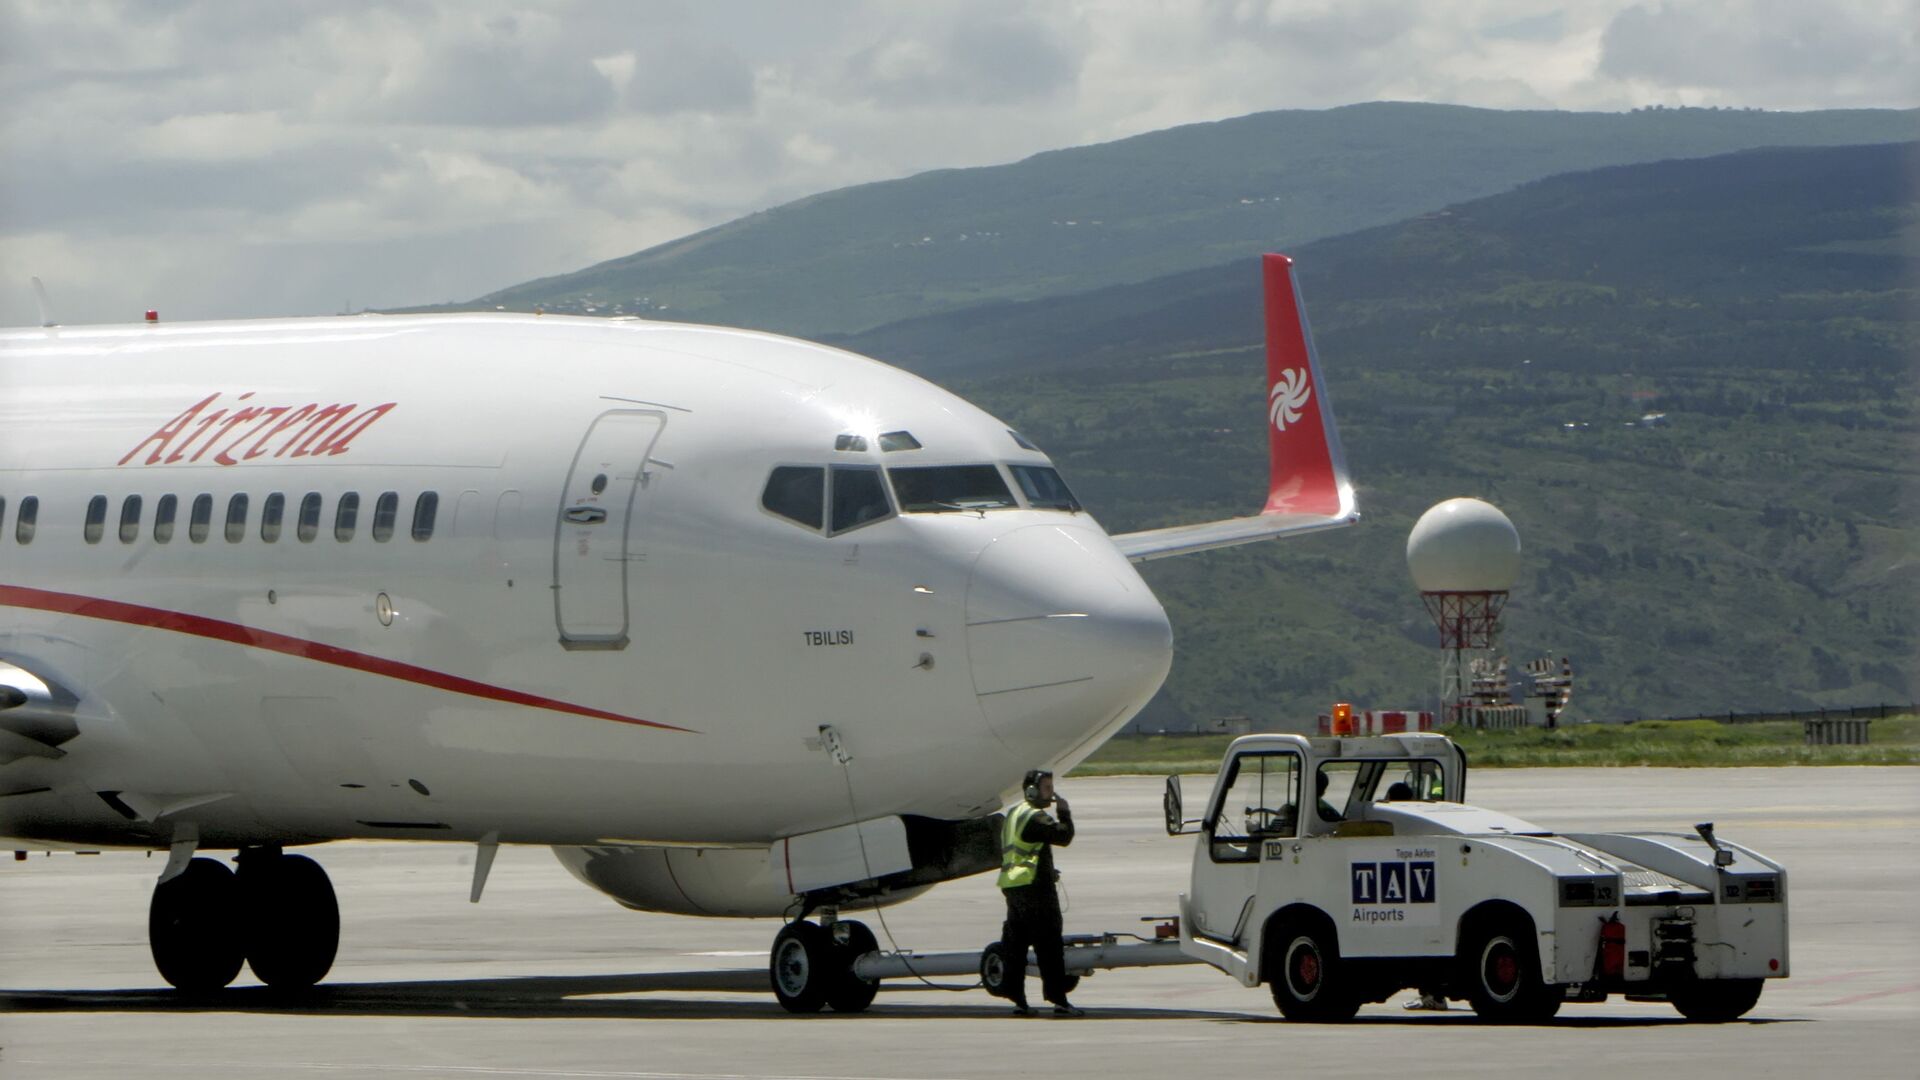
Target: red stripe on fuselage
(93, 607)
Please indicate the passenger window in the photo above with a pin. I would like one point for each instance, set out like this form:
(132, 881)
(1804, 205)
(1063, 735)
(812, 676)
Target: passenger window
(1261, 802)
(236, 519)
(271, 511)
(163, 514)
(386, 510)
(937, 489)
(96, 518)
(797, 493)
(1044, 489)
(505, 511)
(201, 519)
(28, 518)
(309, 526)
(424, 508)
(345, 516)
(3, 513)
(859, 497)
(130, 519)
(469, 517)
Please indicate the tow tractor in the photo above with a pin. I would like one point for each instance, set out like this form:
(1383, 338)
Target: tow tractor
(1342, 870)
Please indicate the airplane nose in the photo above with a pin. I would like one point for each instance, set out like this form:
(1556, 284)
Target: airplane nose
(1066, 642)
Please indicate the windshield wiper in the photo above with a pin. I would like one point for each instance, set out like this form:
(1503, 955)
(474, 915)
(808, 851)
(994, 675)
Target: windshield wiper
(932, 506)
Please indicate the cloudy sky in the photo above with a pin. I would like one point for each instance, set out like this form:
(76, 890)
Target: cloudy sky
(230, 159)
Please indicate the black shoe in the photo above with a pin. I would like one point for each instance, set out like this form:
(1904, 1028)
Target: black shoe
(1021, 1008)
(1064, 1009)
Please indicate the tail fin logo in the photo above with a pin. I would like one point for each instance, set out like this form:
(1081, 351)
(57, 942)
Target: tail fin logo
(1291, 392)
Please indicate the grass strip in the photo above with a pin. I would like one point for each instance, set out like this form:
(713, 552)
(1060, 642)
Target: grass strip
(1669, 743)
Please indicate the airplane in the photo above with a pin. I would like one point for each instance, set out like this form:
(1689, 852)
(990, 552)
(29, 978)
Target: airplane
(737, 624)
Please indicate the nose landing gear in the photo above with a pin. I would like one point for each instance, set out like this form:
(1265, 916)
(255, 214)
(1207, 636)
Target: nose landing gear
(811, 967)
(278, 915)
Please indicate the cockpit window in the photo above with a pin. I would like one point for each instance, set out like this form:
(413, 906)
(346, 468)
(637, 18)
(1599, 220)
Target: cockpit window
(1022, 441)
(891, 441)
(934, 489)
(1044, 488)
(859, 497)
(797, 493)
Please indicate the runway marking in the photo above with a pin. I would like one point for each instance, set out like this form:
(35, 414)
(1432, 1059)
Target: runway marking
(1909, 989)
(388, 1068)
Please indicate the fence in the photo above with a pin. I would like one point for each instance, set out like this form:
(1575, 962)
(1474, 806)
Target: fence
(1488, 717)
(1837, 731)
(1823, 727)
(1860, 712)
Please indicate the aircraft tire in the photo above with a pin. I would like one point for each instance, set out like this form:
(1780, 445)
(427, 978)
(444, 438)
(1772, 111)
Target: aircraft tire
(191, 927)
(849, 992)
(802, 966)
(291, 919)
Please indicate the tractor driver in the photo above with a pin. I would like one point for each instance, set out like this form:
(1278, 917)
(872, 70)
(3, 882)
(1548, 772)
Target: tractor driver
(1327, 812)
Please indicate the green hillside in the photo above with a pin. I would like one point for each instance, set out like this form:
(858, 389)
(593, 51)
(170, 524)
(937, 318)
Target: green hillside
(1072, 220)
(1755, 547)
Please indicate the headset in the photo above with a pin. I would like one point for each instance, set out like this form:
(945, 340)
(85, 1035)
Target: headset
(1031, 785)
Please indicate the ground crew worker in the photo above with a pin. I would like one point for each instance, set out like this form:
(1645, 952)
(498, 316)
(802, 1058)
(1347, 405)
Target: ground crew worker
(1033, 904)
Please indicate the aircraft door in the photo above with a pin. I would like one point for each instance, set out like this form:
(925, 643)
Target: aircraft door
(591, 546)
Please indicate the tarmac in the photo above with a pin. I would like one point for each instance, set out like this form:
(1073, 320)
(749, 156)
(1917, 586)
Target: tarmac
(546, 978)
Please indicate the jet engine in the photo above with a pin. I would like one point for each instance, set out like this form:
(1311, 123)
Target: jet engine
(869, 864)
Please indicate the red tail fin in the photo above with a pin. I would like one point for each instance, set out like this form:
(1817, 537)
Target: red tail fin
(1306, 472)
(1307, 486)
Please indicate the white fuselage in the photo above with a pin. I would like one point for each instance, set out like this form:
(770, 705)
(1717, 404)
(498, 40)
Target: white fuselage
(607, 637)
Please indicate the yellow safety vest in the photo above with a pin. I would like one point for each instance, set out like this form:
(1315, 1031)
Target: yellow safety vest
(1019, 859)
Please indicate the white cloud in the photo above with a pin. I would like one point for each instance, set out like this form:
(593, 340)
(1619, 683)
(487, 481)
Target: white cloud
(1772, 53)
(219, 137)
(968, 58)
(240, 159)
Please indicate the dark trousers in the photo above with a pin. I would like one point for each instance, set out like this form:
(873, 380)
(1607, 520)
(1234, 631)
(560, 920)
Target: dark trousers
(1033, 919)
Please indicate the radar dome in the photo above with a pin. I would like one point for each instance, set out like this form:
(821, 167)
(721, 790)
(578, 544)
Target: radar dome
(1463, 545)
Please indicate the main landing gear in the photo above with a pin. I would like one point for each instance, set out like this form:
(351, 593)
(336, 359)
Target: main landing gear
(277, 914)
(812, 966)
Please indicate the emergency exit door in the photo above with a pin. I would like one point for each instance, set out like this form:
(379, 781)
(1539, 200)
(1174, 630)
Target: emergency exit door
(599, 512)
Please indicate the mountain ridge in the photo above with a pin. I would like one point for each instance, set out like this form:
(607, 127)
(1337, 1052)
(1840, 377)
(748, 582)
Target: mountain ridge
(1067, 220)
(1691, 384)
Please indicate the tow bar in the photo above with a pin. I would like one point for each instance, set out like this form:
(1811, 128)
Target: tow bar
(1084, 953)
